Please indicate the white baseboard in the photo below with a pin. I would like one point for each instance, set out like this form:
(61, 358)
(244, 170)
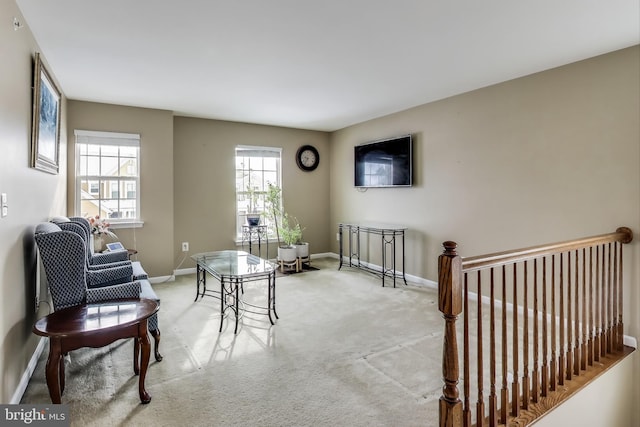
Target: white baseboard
(630, 341)
(183, 271)
(26, 376)
(162, 279)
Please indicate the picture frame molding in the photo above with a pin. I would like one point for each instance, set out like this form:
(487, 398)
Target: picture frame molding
(45, 149)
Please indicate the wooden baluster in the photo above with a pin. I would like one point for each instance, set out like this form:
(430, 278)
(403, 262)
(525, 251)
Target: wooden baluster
(603, 312)
(466, 376)
(591, 310)
(525, 341)
(450, 304)
(576, 323)
(598, 336)
(535, 375)
(493, 399)
(609, 303)
(583, 352)
(545, 332)
(504, 392)
(561, 360)
(554, 365)
(620, 324)
(515, 386)
(569, 320)
(614, 318)
(480, 403)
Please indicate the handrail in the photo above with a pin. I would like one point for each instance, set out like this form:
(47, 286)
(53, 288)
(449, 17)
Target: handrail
(584, 283)
(622, 235)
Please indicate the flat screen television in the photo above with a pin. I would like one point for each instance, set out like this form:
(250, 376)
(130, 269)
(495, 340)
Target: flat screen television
(384, 163)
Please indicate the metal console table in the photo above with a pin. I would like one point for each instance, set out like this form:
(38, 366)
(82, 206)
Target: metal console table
(251, 233)
(389, 234)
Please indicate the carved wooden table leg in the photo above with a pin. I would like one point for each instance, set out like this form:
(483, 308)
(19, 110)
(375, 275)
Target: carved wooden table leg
(145, 353)
(54, 370)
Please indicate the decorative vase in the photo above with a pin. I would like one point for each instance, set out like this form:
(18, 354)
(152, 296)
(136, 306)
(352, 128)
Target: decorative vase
(98, 243)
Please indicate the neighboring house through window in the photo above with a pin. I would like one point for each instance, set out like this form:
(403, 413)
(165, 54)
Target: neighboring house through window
(108, 176)
(256, 168)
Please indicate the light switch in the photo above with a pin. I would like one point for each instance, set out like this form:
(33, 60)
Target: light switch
(3, 203)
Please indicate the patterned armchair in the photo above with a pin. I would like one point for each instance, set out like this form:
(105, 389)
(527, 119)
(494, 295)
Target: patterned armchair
(71, 282)
(96, 261)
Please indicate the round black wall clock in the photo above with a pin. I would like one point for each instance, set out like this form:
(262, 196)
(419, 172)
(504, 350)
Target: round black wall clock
(307, 158)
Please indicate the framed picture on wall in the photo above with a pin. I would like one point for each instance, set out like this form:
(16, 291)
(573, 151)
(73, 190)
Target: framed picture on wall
(45, 128)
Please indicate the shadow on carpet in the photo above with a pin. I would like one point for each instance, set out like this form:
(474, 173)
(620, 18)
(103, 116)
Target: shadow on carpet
(288, 272)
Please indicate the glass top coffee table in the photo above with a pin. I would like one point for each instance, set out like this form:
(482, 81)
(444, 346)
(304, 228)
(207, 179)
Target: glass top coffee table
(233, 269)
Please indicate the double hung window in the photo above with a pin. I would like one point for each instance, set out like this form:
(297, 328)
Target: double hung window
(256, 168)
(108, 176)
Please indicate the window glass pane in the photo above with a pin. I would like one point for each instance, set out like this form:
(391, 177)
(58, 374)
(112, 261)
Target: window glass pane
(109, 166)
(110, 208)
(128, 151)
(89, 209)
(93, 165)
(82, 165)
(270, 163)
(129, 190)
(270, 177)
(109, 150)
(128, 167)
(127, 209)
(93, 149)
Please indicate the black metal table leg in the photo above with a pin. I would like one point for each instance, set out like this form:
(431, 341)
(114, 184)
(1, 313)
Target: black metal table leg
(223, 297)
(340, 244)
(237, 310)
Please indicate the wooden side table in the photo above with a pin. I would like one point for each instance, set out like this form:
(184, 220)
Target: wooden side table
(96, 325)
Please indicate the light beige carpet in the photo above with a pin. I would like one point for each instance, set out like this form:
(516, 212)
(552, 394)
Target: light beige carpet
(345, 352)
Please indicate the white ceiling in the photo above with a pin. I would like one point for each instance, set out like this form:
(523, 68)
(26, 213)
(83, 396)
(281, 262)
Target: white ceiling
(317, 65)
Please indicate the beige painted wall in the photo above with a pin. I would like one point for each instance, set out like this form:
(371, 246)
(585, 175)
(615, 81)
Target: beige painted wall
(154, 241)
(205, 182)
(544, 158)
(33, 197)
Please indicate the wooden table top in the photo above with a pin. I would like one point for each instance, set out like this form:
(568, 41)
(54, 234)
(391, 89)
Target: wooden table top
(82, 319)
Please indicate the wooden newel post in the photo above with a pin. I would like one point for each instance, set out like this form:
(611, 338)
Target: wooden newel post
(450, 304)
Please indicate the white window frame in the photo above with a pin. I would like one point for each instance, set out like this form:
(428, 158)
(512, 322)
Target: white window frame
(110, 139)
(277, 152)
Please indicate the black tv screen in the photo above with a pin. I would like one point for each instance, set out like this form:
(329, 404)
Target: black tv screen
(384, 163)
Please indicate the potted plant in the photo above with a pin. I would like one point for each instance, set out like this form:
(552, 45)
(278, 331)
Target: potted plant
(253, 216)
(302, 247)
(287, 251)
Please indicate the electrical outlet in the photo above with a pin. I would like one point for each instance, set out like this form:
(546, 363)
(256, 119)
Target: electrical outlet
(185, 246)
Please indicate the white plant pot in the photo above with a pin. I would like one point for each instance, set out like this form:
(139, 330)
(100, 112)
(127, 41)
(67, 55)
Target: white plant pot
(287, 253)
(303, 250)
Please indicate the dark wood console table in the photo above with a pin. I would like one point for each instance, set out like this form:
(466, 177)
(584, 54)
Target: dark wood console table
(96, 325)
(388, 236)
